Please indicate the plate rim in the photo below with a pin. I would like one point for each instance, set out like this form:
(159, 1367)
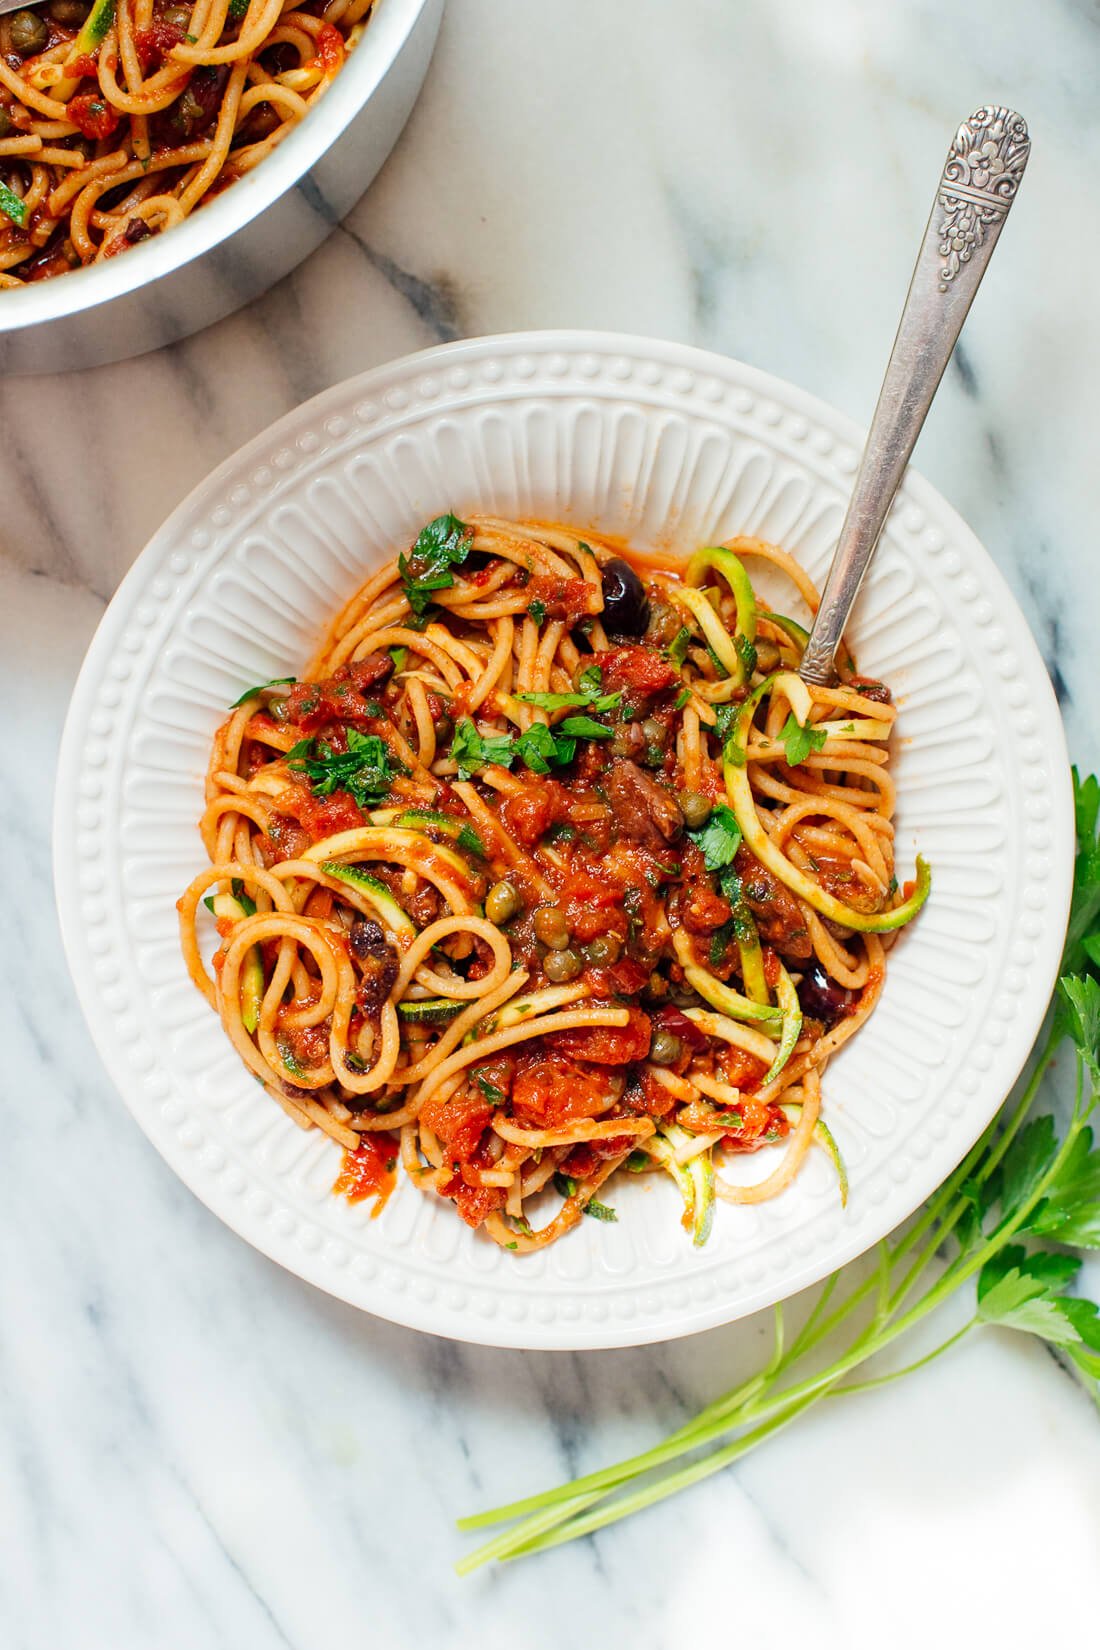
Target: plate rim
(406, 1309)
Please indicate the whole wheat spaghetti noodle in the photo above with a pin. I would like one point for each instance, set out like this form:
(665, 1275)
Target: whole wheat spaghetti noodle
(118, 118)
(551, 864)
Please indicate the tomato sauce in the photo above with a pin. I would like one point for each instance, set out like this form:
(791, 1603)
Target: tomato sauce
(369, 1171)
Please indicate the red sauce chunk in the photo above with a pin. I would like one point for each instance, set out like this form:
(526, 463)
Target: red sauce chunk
(369, 1171)
(92, 116)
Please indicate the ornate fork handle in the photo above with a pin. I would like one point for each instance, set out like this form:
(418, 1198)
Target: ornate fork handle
(977, 188)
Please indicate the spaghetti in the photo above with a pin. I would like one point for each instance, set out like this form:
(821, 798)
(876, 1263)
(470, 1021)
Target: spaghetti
(551, 865)
(119, 117)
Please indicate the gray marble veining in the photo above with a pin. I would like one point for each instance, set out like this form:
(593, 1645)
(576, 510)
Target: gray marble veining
(201, 1451)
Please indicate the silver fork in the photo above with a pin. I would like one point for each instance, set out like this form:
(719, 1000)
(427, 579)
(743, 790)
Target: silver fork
(978, 185)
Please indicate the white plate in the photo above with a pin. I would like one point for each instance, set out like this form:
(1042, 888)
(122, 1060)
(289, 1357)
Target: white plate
(666, 445)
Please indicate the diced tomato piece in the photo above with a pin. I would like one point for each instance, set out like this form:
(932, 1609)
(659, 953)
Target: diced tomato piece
(475, 1202)
(568, 599)
(642, 669)
(757, 1122)
(81, 67)
(369, 1171)
(154, 42)
(529, 814)
(608, 1045)
(326, 815)
(330, 48)
(459, 1123)
(551, 1090)
(92, 115)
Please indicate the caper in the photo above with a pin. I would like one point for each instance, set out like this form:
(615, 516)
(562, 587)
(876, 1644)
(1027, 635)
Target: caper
(178, 16)
(551, 928)
(767, 657)
(5, 122)
(69, 13)
(501, 902)
(654, 732)
(27, 33)
(190, 109)
(695, 809)
(604, 950)
(560, 966)
(666, 1048)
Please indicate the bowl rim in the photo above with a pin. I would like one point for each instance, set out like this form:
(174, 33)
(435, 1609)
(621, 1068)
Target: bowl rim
(236, 207)
(558, 1335)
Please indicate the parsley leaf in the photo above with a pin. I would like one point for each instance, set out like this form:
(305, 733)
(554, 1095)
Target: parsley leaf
(471, 751)
(13, 206)
(565, 1185)
(1070, 1212)
(1022, 1291)
(591, 679)
(719, 839)
(538, 748)
(489, 1089)
(367, 769)
(560, 701)
(583, 727)
(1085, 908)
(599, 1211)
(800, 740)
(443, 544)
(253, 692)
(1026, 1161)
(537, 610)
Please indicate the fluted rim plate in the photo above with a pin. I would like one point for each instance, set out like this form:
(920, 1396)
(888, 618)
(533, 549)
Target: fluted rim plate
(672, 447)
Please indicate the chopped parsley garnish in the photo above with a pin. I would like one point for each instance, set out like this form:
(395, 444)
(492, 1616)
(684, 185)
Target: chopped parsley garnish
(399, 656)
(443, 544)
(262, 687)
(238, 9)
(565, 1184)
(599, 1211)
(538, 747)
(366, 770)
(719, 839)
(472, 752)
(468, 838)
(800, 739)
(583, 727)
(537, 611)
(489, 1089)
(13, 206)
(589, 699)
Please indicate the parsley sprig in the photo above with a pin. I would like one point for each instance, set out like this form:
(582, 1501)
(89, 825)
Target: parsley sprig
(443, 544)
(1026, 1185)
(799, 739)
(538, 747)
(367, 769)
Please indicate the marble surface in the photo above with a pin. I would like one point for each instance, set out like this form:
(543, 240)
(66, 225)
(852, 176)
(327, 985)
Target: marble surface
(199, 1450)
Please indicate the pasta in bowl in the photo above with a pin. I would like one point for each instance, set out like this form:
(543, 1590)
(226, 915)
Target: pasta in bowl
(549, 867)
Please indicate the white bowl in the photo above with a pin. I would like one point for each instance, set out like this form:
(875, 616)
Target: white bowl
(244, 240)
(666, 445)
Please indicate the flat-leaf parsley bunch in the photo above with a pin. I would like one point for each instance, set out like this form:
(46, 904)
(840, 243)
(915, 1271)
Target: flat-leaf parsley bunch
(1008, 1219)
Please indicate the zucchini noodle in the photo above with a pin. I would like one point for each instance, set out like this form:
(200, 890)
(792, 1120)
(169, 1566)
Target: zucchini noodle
(550, 866)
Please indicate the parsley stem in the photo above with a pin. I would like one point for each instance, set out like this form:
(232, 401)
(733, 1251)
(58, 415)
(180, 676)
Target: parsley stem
(585, 1523)
(907, 1369)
